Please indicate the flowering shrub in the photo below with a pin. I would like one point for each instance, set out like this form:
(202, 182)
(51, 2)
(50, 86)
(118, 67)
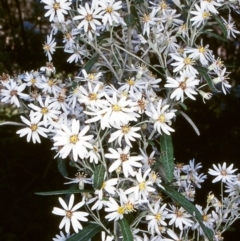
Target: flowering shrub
(140, 63)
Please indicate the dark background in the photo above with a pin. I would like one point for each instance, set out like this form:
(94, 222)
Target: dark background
(28, 168)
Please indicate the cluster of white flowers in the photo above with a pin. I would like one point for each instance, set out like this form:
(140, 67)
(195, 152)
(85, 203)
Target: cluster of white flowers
(107, 119)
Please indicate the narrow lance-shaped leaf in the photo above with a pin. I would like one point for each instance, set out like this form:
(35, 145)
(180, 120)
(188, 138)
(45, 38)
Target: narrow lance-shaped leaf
(86, 233)
(98, 176)
(190, 208)
(204, 72)
(126, 231)
(62, 192)
(167, 159)
(61, 164)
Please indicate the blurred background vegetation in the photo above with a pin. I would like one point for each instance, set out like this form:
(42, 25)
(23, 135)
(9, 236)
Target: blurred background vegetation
(28, 168)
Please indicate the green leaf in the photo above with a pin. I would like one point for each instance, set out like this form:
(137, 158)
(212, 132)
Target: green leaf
(61, 164)
(126, 231)
(86, 233)
(136, 16)
(91, 62)
(129, 19)
(216, 36)
(138, 1)
(62, 192)
(167, 159)
(183, 105)
(98, 176)
(204, 72)
(189, 207)
(221, 25)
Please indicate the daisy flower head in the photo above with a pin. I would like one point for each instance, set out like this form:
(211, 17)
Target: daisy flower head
(222, 173)
(12, 92)
(149, 20)
(209, 5)
(122, 157)
(156, 217)
(72, 139)
(185, 84)
(201, 15)
(49, 47)
(33, 130)
(179, 217)
(88, 17)
(70, 216)
(57, 8)
(110, 14)
(143, 187)
(61, 237)
(127, 132)
(231, 27)
(161, 117)
(116, 211)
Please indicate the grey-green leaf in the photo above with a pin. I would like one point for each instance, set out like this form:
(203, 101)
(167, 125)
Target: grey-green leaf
(129, 19)
(91, 62)
(62, 192)
(167, 159)
(98, 176)
(126, 231)
(87, 233)
(204, 72)
(190, 208)
(61, 164)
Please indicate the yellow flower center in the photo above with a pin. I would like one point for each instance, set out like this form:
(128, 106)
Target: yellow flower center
(34, 127)
(188, 61)
(202, 50)
(89, 17)
(44, 110)
(224, 173)
(125, 129)
(73, 139)
(142, 186)
(109, 9)
(50, 82)
(146, 18)
(121, 210)
(46, 47)
(116, 108)
(92, 96)
(206, 15)
(158, 216)
(68, 214)
(103, 185)
(131, 82)
(162, 118)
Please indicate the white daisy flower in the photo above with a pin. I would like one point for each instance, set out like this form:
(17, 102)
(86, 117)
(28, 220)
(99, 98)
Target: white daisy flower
(128, 132)
(161, 117)
(108, 186)
(77, 51)
(149, 20)
(124, 159)
(222, 79)
(80, 178)
(49, 47)
(110, 14)
(73, 140)
(223, 173)
(12, 91)
(33, 130)
(49, 85)
(57, 8)
(231, 27)
(116, 112)
(209, 5)
(61, 237)
(70, 214)
(143, 187)
(185, 84)
(179, 217)
(44, 111)
(156, 218)
(88, 16)
(116, 211)
(106, 238)
(183, 62)
(202, 15)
